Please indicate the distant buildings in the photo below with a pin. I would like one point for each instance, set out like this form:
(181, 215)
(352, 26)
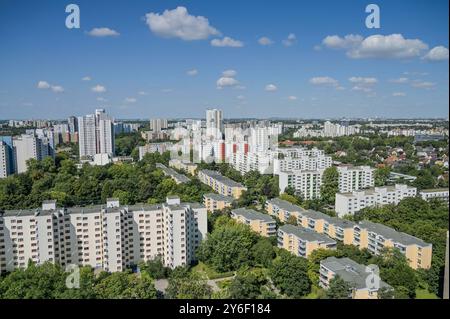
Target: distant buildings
(7, 159)
(357, 276)
(221, 184)
(302, 241)
(96, 134)
(437, 193)
(30, 146)
(157, 125)
(328, 130)
(306, 183)
(188, 167)
(109, 237)
(352, 202)
(213, 201)
(160, 148)
(260, 223)
(300, 158)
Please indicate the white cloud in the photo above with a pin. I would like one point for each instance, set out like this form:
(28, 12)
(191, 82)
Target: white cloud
(98, 89)
(423, 84)
(229, 73)
(86, 78)
(399, 80)
(336, 42)
(362, 80)
(192, 72)
(399, 94)
(168, 90)
(271, 88)
(377, 46)
(142, 93)
(324, 80)
(130, 100)
(240, 97)
(291, 39)
(101, 99)
(43, 85)
(103, 32)
(439, 53)
(178, 23)
(227, 42)
(57, 88)
(265, 41)
(362, 88)
(226, 82)
(292, 98)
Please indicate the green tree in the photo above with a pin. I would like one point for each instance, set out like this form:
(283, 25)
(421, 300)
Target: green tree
(246, 285)
(338, 289)
(263, 252)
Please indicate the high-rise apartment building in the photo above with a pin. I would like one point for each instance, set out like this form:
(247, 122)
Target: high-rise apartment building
(7, 165)
(352, 178)
(306, 183)
(28, 146)
(157, 125)
(110, 237)
(214, 122)
(96, 134)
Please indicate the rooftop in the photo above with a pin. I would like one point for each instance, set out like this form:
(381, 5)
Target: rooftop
(223, 179)
(219, 197)
(251, 214)
(350, 271)
(306, 234)
(285, 205)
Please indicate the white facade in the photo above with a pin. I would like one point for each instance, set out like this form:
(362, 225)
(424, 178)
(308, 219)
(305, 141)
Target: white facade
(299, 158)
(305, 183)
(214, 122)
(353, 178)
(441, 193)
(5, 160)
(28, 146)
(109, 237)
(96, 134)
(350, 203)
(86, 135)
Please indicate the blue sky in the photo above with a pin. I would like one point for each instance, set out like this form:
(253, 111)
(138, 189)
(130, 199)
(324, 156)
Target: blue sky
(142, 61)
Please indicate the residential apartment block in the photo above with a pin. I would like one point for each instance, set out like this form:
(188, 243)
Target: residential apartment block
(221, 184)
(352, 178)
(109, 237)
(299, 158)
(302, 241)
(177, 177)
(356, 275)
(305, 183)
(375, 237)
(30, 146)
(282, 209)
(213, 201)
(188, 167)
(352, 202)
(261, 223)
(439, 193)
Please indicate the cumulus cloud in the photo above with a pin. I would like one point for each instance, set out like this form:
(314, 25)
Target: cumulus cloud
(240, 97)
(292, 98)
(229, 73)
(226, 82)
(192, 72)
(130, 100)
(265, 41)
(43, 85)
(227, 42)
(103, 32)
(399, 94)
(98, 89)
(142, 93)
(86, 78)
(400, 80)
(324, 80)
(101, 99)
(290, 40)
(270, 88)
(376, 46)
(178, 23)
(362, 80)
(439, 53)
(364, 89)
(423, 84)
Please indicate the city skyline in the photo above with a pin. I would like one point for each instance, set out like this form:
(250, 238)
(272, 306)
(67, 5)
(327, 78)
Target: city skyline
(174, 59)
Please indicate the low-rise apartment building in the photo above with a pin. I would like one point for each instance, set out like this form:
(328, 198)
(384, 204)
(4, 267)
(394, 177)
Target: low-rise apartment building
(213, 201)
(221, 184)
(302, 241)
(356, 275)
(177, 177)
(375, 237)
(109, 237)
(187, 167)
(260, 223)
(352, 202)
(437, 193)
(282, 209)
(352, 178)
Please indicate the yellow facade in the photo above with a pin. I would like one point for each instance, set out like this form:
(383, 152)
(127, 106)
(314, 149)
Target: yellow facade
(213, 205)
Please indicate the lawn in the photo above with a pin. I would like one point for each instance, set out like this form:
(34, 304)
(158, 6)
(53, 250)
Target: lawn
(425, 294)
(203, 269)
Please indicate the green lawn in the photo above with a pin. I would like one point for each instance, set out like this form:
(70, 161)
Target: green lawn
(203, 269)
(425, 294)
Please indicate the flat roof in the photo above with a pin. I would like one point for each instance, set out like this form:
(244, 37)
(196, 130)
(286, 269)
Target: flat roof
(434, 190)
(251, 214)
(223, 179)
(285, 205)
(390, 233)
(306, 234)
(219, 197)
